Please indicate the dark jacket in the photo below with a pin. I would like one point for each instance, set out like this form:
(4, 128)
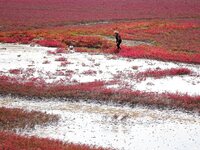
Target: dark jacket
(118, 38)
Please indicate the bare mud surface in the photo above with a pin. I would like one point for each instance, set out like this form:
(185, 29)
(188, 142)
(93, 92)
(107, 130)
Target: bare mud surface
(118, 127)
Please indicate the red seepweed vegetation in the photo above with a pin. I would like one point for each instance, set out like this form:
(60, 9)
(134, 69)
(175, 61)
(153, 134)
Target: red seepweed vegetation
(46, 62)
(57, 13)
(163, 73)
(60, 50)
(57, 51)
(38, 87)
(18, 37)
(12, 118)
(64, 63)
(96, 90)
(10, 141)
(51, 52)
(89, 72)
(87, 41)
(153, 52)
(50, 43)
(61, 59)
(167, 39)
(7, 40)
(15, 71)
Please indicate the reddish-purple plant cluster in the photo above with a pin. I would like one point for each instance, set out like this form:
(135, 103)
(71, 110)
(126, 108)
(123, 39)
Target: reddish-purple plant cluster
(38, 87)
(169, 36)
(60, 50)
(90, 72)
(163, 73)
(60, 73)
(186, 100)
(7, 40)
(17, 118)
(61, 59)
(57, 51)
(10, 141)
(46, 62)
(87, 42)
(64, 63)
(51, 52)
(153, 52)
(15, 71)
(25, 15)
(97, 91)
(50, 43)
(15, 37)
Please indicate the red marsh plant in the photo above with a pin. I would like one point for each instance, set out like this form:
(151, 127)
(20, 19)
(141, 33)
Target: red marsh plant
(10, 141)
(89, 72)
(107, 11)
(57, 51)
(38, 87)
(15, 71)
(18, 37)
(164, 73)
(69, 73)
(61, 59)
(59, 73)
(189, 102)
(88, 42)
(96, 91)
(28, 72)
(168, 38)
(46, 62)
(153, 52)
(60, 50)
(12, 118)
(51, 52)
(64, 63)
(7, 40)
(50, 43)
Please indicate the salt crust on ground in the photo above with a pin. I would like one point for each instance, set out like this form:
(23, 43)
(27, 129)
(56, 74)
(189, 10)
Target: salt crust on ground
(112, 126)
(117, 127)
(85, 67)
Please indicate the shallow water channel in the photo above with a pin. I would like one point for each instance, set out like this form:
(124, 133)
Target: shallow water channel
(118, 127)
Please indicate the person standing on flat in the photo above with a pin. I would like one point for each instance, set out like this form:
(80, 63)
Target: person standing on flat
(118, 41)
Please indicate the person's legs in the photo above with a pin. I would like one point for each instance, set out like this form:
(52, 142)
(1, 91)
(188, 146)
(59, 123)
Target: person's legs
(118, 48)
(118, 45)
